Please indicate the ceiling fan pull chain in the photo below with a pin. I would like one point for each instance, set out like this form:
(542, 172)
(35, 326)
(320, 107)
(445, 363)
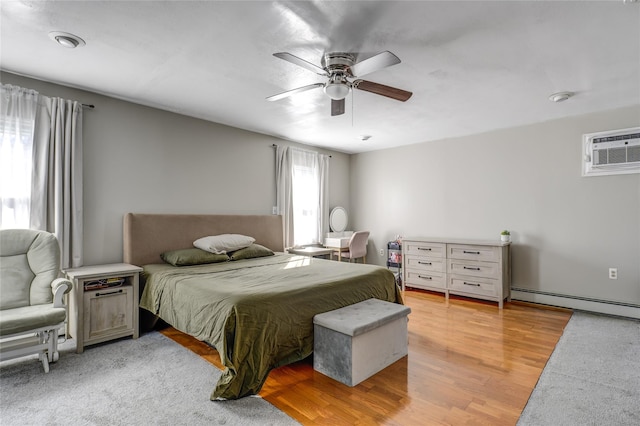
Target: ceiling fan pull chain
(353, 101)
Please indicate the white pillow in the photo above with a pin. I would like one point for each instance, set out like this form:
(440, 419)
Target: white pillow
(220, 244)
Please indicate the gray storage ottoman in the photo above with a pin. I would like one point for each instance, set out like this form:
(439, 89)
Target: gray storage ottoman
(353, 343)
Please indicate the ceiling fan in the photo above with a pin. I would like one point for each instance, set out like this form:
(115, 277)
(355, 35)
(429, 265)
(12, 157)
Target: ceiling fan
(343, 72)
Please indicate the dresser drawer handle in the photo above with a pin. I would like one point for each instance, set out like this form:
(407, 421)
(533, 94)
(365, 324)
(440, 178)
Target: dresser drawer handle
(424, 248)
(106, 294)
(473, 284)
(425, 278)
(470, 252)
(470, 268)
(425, 263)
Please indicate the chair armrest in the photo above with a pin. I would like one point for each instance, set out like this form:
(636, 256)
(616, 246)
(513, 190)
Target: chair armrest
(60, 287)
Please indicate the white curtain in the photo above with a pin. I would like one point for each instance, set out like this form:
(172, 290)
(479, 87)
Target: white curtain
(41, 167)
(302, 191)
(56, 203)
(323, 211)
(284, 199)
(18, 108)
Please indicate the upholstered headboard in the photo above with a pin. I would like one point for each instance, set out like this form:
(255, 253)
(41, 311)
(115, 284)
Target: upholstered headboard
(146, 236)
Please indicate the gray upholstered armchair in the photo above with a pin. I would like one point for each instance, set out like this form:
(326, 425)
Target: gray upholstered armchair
(32, 308)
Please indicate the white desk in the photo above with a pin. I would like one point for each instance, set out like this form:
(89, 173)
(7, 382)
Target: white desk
(338, 242)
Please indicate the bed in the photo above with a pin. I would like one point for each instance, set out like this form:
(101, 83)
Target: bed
(257, 311)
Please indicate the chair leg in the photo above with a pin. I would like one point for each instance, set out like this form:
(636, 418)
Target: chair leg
(45, 354)
(53, 345)
(50, 338)
(45, 361)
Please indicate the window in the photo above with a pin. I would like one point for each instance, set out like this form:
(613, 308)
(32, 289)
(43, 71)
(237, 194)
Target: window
(305, 204)
(302, 180)
(17, 122)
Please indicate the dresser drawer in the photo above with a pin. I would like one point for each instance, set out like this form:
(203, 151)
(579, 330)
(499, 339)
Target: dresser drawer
(468, 252)
(424, 263)
(474, 269)
(425, 279)
(473, 285)
(425, 249)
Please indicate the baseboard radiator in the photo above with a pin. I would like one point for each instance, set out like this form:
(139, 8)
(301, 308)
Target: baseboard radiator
(608, 307)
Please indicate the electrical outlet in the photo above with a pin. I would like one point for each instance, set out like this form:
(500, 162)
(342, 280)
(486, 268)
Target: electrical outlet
(274, 210)
(381, 252)
(613, 273)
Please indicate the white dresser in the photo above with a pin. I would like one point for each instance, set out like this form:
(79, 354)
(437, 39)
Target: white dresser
(472, 268)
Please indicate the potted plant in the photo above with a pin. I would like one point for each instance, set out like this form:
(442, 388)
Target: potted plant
(505, 236)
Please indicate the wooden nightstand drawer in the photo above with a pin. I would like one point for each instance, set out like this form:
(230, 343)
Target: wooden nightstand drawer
(108, 311)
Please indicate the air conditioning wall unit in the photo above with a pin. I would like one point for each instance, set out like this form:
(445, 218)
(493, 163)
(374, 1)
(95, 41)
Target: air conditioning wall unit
(611, 153)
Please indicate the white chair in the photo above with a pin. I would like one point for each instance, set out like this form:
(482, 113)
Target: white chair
(32, 308)
(357, 247)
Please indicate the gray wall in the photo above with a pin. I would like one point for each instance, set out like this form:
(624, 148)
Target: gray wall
(140, 159)
(567, 230)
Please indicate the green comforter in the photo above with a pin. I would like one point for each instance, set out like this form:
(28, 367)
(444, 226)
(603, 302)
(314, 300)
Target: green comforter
(259, 313)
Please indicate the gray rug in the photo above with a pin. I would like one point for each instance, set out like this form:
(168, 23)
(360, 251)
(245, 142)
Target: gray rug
(148, 381)
(592, 377)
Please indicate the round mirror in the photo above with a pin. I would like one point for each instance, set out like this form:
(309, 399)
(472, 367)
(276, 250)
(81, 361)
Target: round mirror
(338, 219)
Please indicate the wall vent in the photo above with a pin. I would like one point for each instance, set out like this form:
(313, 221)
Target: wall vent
(611, 153)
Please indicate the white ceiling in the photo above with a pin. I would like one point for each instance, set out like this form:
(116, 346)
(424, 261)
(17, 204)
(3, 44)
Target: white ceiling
(472, 66)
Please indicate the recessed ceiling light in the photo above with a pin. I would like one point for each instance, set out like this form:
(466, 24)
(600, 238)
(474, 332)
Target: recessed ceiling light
(68, 40)
(560, 96)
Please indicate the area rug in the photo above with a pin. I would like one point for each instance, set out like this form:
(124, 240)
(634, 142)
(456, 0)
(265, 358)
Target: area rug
(592, 377)
(147, 381)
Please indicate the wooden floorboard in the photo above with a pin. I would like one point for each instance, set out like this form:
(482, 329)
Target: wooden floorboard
(468, 363)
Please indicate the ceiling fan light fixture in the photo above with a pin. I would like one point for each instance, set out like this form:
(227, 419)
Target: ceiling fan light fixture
(340, 68)
(67, 40)
(336, 90)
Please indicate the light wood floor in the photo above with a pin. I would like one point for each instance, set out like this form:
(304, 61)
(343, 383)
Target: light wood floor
(468, 363)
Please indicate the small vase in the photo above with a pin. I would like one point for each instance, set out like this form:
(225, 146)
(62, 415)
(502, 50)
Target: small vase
(505, 238)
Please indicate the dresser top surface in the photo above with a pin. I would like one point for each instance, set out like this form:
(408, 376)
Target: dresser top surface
(464, 241)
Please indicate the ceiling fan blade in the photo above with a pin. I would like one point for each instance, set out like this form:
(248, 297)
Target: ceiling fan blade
(294, 91)
(301, 63)
(337, 107)
(374, 63)
(381, 89)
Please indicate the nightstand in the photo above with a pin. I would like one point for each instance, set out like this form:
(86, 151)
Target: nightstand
(103, 304)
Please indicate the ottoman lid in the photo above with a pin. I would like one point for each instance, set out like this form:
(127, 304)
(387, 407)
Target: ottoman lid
(357, 319)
